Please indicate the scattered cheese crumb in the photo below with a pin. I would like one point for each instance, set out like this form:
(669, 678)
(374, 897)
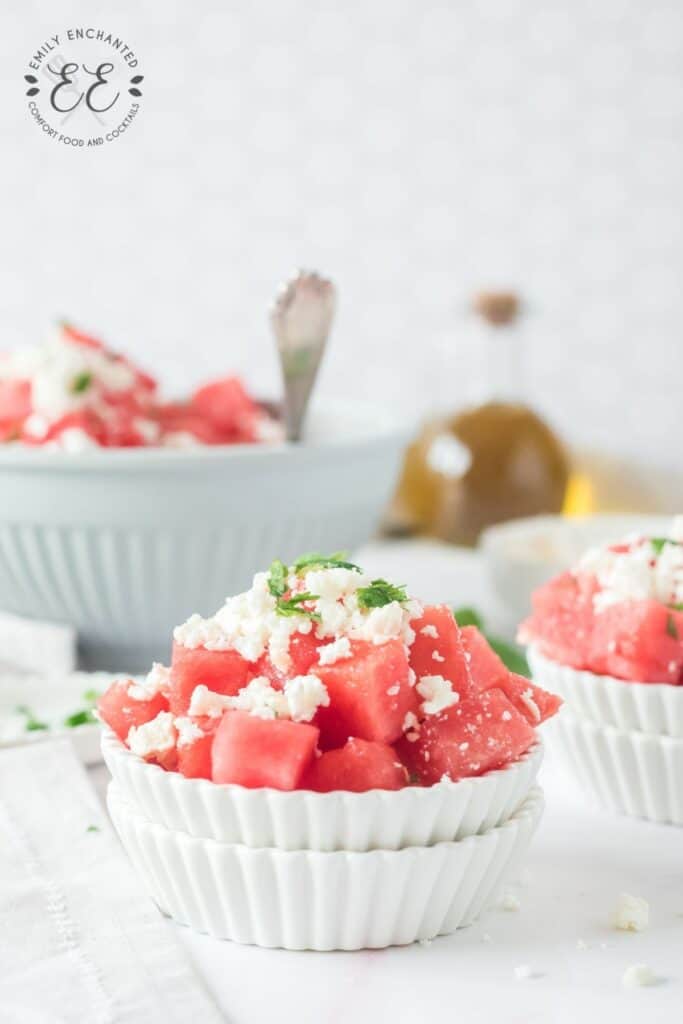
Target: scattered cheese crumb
(524, 972)
(638, 975)
(438, 694)
(632, 913)
(157, 679)
(509, 901)
(188, 731)
(506, 716)
(153, 737)
(393, 690)
(437, 657)
(430, 630)
(338, 649)
(425, 942)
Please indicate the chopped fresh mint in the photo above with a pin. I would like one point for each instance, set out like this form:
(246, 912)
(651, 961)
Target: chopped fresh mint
(32, 724)
(511, 655)
(277, 578)
(677, 607)
(93, 828)
(671, 627)
(83, 717)
(658, 543)
(379, 593)
(81, 382)
(468, 617)
(317, 561)
(293, 605)
(91, 697)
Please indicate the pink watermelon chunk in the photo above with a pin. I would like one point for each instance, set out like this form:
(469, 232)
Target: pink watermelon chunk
(370, 694)
(194, 757)
(303, 652)
(254, 752)
(562, 620)
(640, 641)
(223, 672)
(121, 711)
(226, 406)
(356, 767)
(438, 648)
(15, 399)
(489, 672)
(481, 732)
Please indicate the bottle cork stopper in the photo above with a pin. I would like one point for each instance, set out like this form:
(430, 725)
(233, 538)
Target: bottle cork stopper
(497, 308)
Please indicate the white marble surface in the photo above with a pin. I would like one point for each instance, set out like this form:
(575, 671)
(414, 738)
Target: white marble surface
(579, 863)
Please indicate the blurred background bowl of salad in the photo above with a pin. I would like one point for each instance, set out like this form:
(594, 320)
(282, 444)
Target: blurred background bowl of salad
(123, 544)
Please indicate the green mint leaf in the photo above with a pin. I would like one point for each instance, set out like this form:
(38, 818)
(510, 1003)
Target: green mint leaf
(658, 543)
(91, 697)
(317, 561)
(84, 717)
(380, 593)
(32, 724)
(677, 607)
(81, 382)
(468, 617)
(293, 605)
(93, 828)
(277, 578)
(512, 656)
(671, 627)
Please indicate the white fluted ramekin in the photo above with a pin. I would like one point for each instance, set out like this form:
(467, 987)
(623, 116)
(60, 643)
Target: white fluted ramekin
(655, 708)
(632, 773)
(311, 900)
(302, 820)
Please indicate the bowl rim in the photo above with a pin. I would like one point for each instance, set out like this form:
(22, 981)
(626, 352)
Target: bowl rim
(657, 689)
(379, 425)
(531, 808)
(117, 747)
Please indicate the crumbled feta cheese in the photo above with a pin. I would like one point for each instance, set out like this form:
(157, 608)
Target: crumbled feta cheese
(632, 913)
(206, 702)
(527, 699)
(638, 573)
(509, 901)
(437, 693)
(393, 690)
(437, 657)
(336, 651)
(157, 680)
(506, 716)
(259, 698)
(188, 731)
(410, 722)
(638, 975)
(153, 737)
(305, 694)
(431, 631)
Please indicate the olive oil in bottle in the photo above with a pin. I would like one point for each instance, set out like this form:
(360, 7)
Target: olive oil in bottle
(493, 460)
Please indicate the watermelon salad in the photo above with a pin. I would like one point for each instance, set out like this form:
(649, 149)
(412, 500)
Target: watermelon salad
(322, 678)
(619, 612)
(74, 394)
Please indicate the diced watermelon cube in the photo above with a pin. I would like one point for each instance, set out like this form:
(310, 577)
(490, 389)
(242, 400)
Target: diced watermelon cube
(227, 406)
(303, 652)
(489, 672)
(438, 649)
(561, 623)
(15, 399)
(356, 767)
(223, 672)
(121, 711)
(639, 640)
(481, 732)
(194, 755)
(370, 694)
(254, 752)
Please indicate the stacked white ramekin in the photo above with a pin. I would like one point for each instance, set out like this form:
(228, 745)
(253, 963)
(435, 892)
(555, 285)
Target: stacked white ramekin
(322, 871)
(622, 741)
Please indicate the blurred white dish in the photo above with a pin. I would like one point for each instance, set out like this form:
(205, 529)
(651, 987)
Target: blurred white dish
(126, 543)
(305, 899)
(50, 701)
(302, 820)
(523, 554)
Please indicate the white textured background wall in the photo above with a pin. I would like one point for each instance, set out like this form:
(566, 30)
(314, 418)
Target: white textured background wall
(414, 150)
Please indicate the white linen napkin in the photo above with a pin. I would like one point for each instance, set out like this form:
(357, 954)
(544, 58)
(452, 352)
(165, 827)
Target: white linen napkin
(80, 940)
